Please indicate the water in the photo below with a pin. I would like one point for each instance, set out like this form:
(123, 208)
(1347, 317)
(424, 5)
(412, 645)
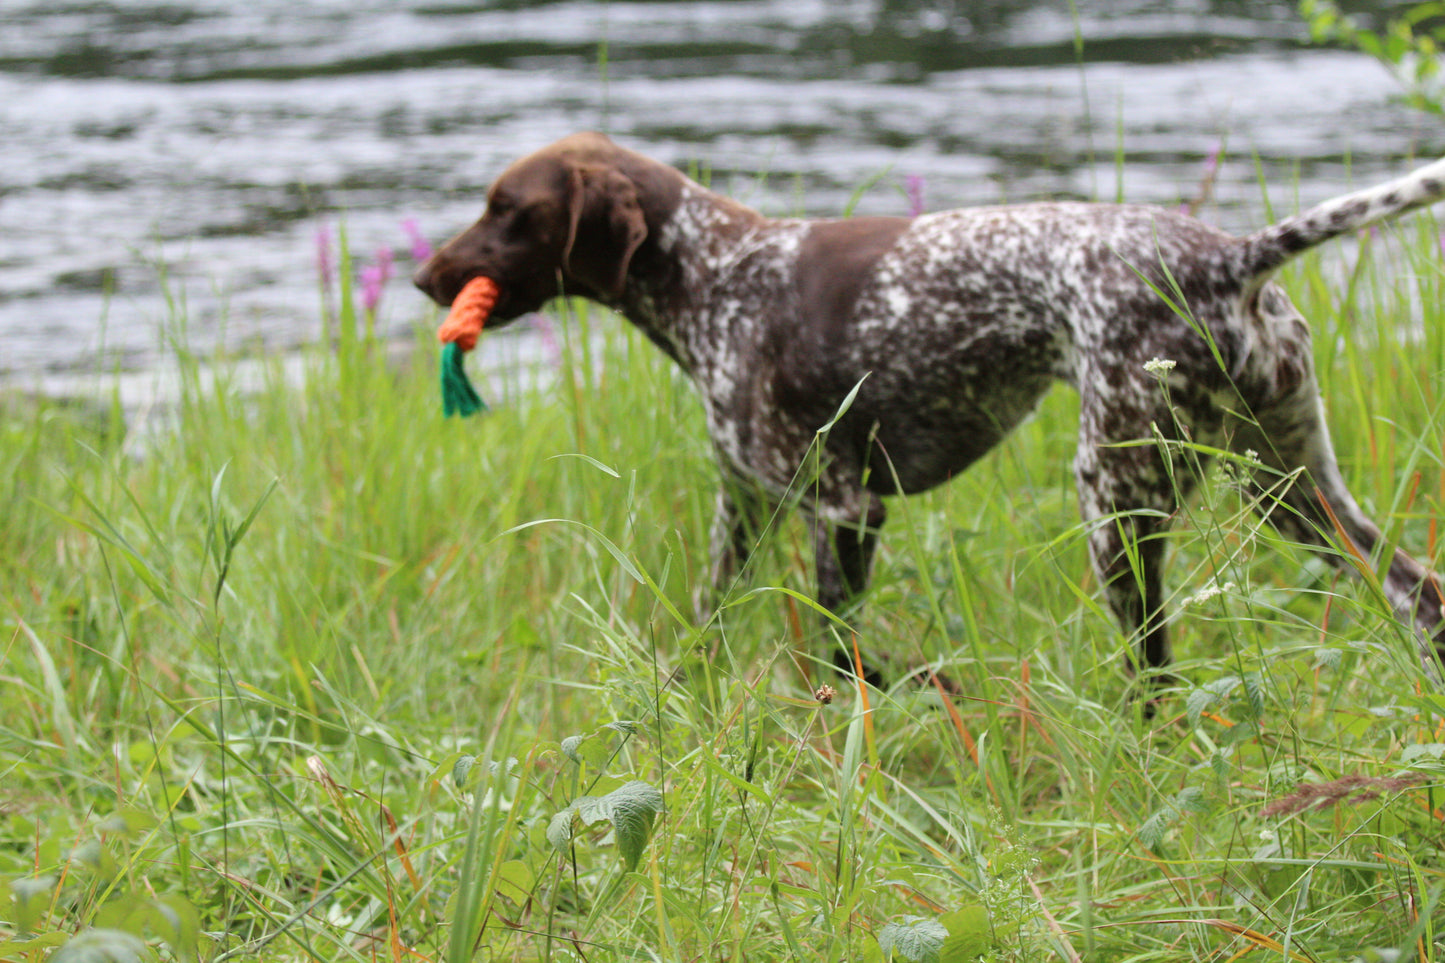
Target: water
(174, 161)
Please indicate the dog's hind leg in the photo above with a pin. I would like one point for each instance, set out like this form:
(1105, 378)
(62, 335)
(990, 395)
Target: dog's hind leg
(1128, 495)
(1303, 495)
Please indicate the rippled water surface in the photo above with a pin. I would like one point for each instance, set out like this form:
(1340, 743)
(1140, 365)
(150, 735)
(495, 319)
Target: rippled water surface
(173, 163)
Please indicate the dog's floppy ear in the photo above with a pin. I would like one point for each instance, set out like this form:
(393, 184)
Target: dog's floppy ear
(605, 228)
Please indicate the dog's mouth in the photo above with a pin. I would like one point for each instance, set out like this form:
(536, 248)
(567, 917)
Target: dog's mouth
(507, 309)
(517, 295)
(446, 293)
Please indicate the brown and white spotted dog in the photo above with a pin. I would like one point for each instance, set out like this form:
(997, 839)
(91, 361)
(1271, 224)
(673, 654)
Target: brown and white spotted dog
(951, 326)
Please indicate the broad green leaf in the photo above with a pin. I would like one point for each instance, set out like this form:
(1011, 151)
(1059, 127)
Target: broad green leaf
(1254, 693)
(1208, 696)
(1428, 750)
(172, 918)
(1199, 701)
(915, 939)
(102, 946)
(126, 822)
(570, 747)
(970, 934)
(515, 881)
(589, 749)
(13, 949)
(559, 829)
(631, 809)
(178, 923)
(31, 896)
(461, 769)
(1189, 799)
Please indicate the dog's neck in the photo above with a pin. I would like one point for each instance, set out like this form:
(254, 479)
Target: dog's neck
(704, 247)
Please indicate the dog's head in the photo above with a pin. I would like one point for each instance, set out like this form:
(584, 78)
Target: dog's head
(564, 220)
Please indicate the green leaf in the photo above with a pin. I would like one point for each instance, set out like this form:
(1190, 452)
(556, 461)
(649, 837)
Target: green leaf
(1208, 696)
(559, 829)
(515, 881)
(1254, 693)
(12, 949)
(570, 747)
(1190, 799)
(171, 918)
(249, 520)
(31, 896)
(737, 781)
(587, 749)
(461, 769)
(92, 854)
(631, 809)
(1427, 750)
(126, 822)
(177, 921)
(595, 748)
(1240, 733)
(970, 934)
(915, 939)
(1200, 700)
(102, 946)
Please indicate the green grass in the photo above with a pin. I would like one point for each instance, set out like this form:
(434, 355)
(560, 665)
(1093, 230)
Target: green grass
(313, 673)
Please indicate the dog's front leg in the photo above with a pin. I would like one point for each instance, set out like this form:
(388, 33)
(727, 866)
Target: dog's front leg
(739, 515)
(843, 551)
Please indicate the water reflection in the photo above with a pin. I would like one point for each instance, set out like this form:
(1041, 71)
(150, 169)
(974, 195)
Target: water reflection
(215, 136)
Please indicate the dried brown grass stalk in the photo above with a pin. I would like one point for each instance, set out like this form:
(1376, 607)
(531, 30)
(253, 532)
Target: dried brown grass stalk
(1348, 789)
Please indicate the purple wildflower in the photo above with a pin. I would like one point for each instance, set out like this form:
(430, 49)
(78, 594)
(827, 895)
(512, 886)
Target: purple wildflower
(914, 186)
(324, 266)
(373, 279)
(420, 246)
(1211, 163)
(1206, 180)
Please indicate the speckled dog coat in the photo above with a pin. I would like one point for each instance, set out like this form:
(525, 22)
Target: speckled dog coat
(922, 342)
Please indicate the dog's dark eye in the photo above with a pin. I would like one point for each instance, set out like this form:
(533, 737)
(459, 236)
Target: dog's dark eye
(519, 220)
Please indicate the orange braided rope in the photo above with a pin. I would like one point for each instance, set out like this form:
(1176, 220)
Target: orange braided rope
(458, 334)
(469, 313)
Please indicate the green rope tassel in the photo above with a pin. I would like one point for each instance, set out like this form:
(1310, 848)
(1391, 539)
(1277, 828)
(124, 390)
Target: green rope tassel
(458, 395)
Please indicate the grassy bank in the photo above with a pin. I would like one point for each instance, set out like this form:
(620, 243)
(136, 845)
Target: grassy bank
(320, 675)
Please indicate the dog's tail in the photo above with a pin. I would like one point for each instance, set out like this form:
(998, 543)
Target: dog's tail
(1265, 250)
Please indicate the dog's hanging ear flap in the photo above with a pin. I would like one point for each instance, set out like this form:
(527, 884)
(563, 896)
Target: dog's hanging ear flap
(605, 228)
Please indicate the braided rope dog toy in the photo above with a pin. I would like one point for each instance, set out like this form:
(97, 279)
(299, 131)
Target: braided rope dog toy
(458, 335)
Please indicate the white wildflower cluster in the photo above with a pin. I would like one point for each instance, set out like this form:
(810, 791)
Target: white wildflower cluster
(1238, 472)
(1211, 589)
(1159, 366)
